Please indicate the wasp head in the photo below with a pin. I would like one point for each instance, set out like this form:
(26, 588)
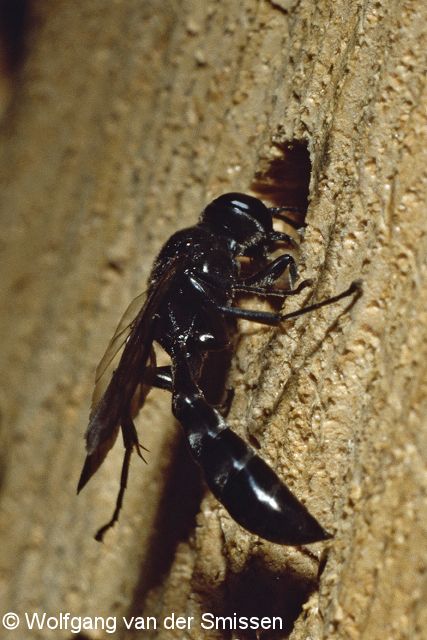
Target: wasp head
(243, 220)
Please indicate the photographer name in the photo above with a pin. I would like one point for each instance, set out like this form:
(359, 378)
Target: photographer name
(76, 624)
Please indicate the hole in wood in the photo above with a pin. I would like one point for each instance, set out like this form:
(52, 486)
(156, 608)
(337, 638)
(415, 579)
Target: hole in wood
(258, 592)
(284, 180)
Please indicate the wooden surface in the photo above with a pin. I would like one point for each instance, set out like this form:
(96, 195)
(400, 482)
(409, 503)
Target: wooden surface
(126, 118)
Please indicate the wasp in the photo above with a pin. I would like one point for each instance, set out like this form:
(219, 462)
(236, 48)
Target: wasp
(189, 310)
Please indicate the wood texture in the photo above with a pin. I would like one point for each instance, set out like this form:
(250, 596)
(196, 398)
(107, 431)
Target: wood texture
(126, 118)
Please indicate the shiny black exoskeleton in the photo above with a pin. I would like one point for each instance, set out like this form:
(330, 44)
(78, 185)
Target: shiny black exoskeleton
(188, 310)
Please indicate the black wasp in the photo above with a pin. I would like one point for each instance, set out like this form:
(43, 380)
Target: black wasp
(188, 310)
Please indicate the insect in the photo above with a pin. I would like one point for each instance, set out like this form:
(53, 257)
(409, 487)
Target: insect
(189, 310)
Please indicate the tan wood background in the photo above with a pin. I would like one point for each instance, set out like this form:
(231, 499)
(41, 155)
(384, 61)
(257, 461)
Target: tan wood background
(124, 120)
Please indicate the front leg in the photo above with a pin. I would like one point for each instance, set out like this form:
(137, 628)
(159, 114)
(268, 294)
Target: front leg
(270, 292)
(261, 283)
(265, 317)
(274, 319)
(272, 272)
(277, 212)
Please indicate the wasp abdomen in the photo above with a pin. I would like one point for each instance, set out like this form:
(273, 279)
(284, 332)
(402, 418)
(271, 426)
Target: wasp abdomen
(258, 500)
(248, 488)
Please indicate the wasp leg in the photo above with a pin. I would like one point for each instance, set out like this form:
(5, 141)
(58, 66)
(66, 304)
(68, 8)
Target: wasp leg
(225, 406)
(202, 287)
(273, 293)
(272, 271)
(280, 236)
(160, 377)
(274, 319)
(276, 212)
(355, 287)
(265, 317)
(130, 440)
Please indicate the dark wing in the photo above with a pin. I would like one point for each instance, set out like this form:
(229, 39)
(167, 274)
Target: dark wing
(113, 353)
(118, 390)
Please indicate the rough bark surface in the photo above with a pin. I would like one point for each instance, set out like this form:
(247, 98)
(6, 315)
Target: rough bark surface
(126, 119)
